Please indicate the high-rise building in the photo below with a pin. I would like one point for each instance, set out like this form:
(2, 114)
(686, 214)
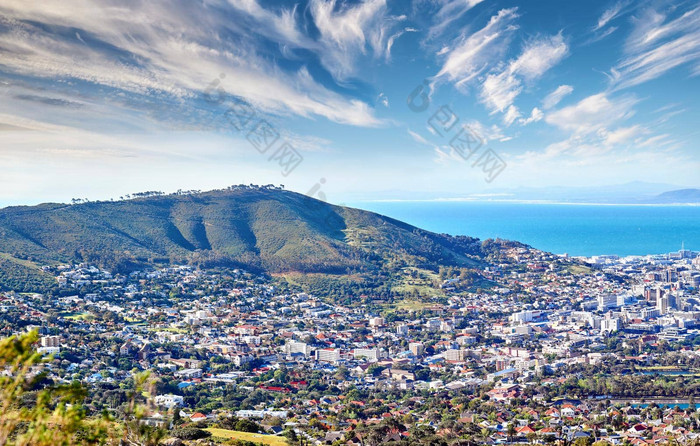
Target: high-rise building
(609, 324)
(416, 348)
(606, 302)
(455, 355)
(371, 354)
(653, 295)
(328, 355)
(50, 341)
(669, 276)
(297, 347)
(376, 321)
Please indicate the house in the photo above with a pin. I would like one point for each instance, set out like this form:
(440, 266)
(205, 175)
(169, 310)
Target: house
(397, 374)
(197, 416)
(169, 400)
(568, 410)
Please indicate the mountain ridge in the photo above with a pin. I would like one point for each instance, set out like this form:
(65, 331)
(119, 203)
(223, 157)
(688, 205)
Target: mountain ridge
(257, 228)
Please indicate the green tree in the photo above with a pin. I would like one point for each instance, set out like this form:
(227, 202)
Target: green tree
(52, 416)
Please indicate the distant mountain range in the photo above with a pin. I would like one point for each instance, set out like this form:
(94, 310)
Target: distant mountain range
(637, 192)
(629, 193)
(259, 228)
(683, 196)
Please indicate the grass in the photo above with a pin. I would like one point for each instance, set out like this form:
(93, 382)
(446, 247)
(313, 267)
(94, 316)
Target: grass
(27, 263)
(578, 270)
(271, 440)
(78, 316)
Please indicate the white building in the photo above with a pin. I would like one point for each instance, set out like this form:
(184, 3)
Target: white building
(331, 355)
(521, 317)
(606, 302)
(297, 347)
(169, 401)
(371, 354)
(609, 325)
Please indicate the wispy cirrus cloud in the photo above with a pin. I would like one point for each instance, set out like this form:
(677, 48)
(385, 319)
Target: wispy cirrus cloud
(472, 54)
(553, 98)
(500, 89)
(349, 31)
(599, 124)
(659, 42)
(171, 48)
(610, 14)
(592, 113)
(448, 12)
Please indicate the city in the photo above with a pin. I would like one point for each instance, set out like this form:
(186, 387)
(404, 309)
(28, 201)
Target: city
(601, 348)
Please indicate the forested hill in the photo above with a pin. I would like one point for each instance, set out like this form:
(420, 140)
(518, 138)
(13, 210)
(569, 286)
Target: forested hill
(261, 228)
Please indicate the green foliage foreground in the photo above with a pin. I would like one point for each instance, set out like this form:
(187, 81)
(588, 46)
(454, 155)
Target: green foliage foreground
(35, 414)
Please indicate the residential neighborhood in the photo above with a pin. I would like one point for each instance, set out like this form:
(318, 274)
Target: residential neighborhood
(554, 349)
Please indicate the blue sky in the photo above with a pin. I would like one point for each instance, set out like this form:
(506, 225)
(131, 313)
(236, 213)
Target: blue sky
(103, 98)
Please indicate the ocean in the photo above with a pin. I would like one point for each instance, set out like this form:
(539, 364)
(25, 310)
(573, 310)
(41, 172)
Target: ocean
(578, 230)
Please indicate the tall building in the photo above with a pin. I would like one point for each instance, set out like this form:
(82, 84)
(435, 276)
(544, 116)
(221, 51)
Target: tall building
(653, 295)
(609, 324)
(416, 348)
(371, 354)
(50, 341)
(50, 345)
(606, 302)
(521, 317)
(669, 276)
(297, 347)
(455, 355)
(328, 355)
(663, 305)
(376, 322)
(625, 299)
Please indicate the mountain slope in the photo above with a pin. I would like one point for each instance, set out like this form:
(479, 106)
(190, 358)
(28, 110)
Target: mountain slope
(682, 196)
(260, 228)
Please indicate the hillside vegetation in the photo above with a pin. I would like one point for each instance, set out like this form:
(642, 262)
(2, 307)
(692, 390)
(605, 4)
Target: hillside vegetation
(264, 229)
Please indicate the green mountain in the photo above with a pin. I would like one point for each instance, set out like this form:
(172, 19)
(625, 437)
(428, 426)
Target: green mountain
(260, 228)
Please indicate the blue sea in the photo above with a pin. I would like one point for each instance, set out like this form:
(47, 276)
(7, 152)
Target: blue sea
(578, 230)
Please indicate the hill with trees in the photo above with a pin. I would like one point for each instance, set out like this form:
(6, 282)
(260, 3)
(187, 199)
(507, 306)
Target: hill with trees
(261, 228)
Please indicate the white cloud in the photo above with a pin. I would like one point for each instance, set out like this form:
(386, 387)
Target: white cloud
(553, 98)
(656, 45)
(535, 116)
(596, 126)
(511, 115)
(539, 56)
(487, 133)
(281, 26)
(159, 47)
(621, 135)
(609, 15)
(471, 54)
(499, 90)
(349, 31)
(446, 155)
(450, 10)
(419, 138)
(392, 39)
(592, 113)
